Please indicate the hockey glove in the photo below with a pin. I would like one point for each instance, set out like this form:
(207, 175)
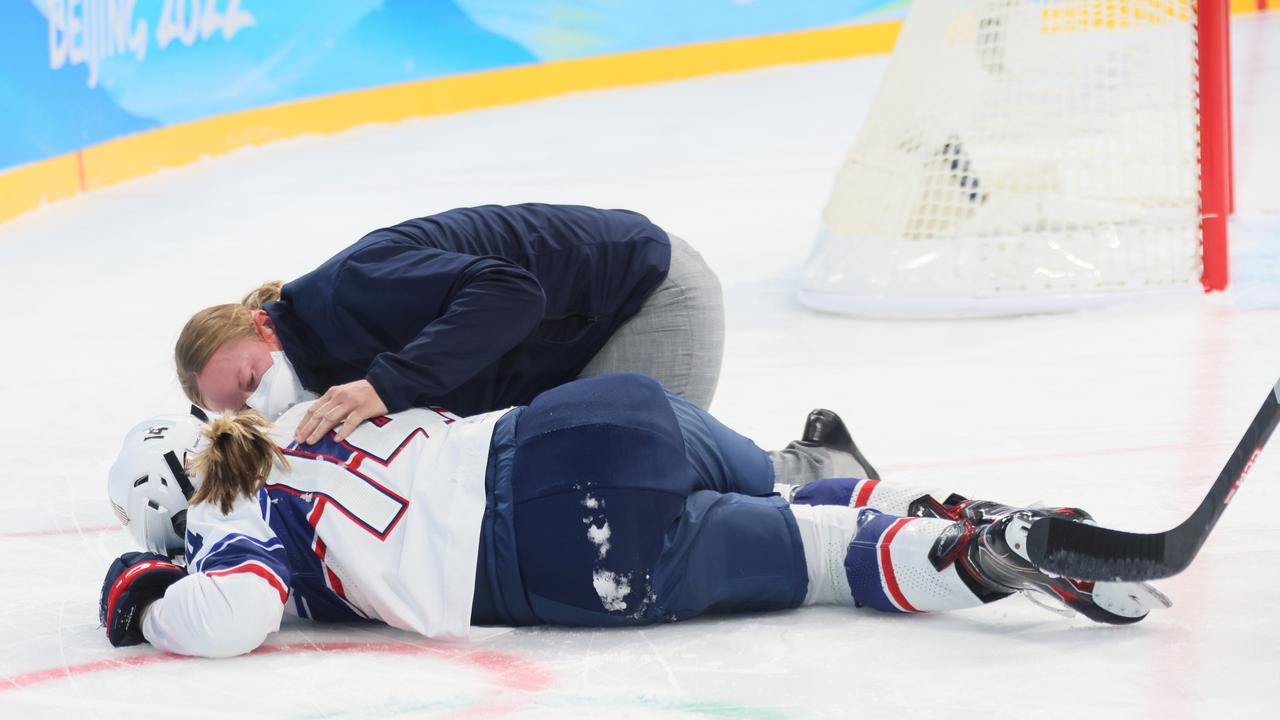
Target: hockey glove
(133, 582)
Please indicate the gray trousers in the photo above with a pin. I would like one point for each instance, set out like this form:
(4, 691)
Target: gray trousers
(677, 337)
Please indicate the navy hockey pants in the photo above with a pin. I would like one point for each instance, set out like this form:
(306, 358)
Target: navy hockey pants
(613, 502)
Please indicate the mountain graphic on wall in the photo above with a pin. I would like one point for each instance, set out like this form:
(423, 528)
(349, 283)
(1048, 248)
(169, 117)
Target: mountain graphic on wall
(295, 50)
(407, 40)
(68, 115)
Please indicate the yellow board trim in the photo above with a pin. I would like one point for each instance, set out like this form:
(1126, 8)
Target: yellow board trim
(30, 186)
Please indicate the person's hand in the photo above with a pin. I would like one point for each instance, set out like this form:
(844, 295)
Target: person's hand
(343, 407)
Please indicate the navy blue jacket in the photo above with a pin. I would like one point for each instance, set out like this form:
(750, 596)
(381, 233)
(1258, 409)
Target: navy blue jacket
(472, 309)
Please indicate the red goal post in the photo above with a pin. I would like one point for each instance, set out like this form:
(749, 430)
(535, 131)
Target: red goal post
(1217, 196)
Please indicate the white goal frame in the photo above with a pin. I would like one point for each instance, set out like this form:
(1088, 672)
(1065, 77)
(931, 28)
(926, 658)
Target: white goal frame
(952, 204)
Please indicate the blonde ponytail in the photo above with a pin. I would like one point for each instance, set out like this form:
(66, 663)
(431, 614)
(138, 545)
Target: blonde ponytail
(236, 460)
(211, 328)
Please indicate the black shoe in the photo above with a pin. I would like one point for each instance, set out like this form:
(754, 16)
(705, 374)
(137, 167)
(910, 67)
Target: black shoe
(824, 427)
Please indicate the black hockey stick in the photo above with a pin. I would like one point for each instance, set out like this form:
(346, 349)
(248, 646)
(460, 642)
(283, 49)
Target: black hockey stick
(1089, 552)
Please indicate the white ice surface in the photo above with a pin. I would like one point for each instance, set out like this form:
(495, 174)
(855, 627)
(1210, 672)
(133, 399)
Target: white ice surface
(1128, 412)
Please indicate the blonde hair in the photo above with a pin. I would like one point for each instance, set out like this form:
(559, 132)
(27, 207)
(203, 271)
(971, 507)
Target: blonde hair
(213, 327)
(236, 460)
(265, 293)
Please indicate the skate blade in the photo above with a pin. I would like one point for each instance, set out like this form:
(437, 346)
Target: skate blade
(1129, 599)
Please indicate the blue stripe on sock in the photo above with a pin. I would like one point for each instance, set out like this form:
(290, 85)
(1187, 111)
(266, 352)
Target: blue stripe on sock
(833, 491)
(862, 563)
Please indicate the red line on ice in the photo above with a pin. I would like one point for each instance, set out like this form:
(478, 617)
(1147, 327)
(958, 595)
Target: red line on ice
(35, 677)
(513, 672)
(1041, 457)
(62, 531)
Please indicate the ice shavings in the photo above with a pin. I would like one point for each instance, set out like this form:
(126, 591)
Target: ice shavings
(599, 536)
(612, 589)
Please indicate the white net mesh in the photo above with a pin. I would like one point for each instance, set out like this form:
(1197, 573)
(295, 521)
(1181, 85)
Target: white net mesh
(1020, 156)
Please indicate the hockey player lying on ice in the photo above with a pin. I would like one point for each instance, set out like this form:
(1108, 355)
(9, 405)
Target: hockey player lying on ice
(605, 502)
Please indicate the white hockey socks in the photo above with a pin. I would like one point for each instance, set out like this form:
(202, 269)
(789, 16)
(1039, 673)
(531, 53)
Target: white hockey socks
(825, 532)
(884, 561)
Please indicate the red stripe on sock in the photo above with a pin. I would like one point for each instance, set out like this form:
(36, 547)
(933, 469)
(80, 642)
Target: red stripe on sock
(886, 565)
(864, 492)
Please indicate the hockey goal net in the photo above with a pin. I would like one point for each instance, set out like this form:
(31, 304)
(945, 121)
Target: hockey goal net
(1034, 155)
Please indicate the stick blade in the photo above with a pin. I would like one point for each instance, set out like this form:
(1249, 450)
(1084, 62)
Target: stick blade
(1088, 552)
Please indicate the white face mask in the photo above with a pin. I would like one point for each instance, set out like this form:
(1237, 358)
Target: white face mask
(279, 389)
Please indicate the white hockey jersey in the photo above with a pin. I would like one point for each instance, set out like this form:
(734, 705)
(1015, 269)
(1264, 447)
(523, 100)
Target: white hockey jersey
(384, 526)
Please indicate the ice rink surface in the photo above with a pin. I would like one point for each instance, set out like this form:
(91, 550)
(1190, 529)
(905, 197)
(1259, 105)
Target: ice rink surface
(1128, 412)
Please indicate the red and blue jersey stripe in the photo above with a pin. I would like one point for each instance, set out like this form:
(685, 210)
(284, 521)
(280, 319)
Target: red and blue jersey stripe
(237, 553)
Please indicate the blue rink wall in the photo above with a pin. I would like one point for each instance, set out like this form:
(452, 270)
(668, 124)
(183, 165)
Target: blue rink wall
(98, 91)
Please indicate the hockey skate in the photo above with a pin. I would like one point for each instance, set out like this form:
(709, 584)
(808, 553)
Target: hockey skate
(988, 546)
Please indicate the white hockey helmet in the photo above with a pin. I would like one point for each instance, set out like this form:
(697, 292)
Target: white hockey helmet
(149, 486)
